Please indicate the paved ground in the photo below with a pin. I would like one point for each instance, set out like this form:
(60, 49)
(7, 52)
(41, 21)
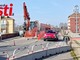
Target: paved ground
(20, 42)
(76, 47)
(63, 56)
(23, 45)
(75, 39)
(8, 45)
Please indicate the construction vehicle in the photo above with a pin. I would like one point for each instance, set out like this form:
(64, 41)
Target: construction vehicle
(27, 31)
(32, 28)
(26, 18)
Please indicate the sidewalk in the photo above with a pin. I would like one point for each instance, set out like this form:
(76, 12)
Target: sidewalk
(76, 47)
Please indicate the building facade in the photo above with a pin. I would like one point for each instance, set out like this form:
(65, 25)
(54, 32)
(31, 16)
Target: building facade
(6, 25)
(74, 21)
(74, 26)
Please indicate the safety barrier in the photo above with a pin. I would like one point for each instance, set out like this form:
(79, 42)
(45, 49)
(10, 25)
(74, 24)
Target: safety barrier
(29, 53)
(7, 55)
(44, 53)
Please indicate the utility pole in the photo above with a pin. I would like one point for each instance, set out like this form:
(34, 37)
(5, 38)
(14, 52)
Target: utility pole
(76, 10)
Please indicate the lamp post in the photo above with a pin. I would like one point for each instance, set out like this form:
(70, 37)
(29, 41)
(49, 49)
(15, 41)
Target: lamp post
(76, 23)
(76, 12)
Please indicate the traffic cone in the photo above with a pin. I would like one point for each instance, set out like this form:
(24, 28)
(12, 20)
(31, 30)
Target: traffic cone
(14, 43)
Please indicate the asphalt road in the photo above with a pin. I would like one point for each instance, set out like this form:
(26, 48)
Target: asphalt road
(63, 56)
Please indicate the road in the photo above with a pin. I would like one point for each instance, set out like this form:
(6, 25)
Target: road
(23, 45)
(63, 56)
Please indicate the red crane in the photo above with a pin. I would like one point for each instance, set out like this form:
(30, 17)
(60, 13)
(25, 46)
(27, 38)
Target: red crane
(26, 17)
(27, 32)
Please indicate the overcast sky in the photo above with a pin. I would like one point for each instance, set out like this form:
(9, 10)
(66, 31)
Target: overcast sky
(46, 11)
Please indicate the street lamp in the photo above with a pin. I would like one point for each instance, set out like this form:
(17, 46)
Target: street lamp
(76, 12)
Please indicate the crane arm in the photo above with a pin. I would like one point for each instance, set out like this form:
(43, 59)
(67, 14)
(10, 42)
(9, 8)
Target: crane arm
(26, 16)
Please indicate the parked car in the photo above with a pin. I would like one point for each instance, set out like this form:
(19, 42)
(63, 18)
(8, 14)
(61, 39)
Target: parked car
(50, 35)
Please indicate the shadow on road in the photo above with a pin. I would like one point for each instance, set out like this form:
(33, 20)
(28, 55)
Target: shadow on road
(5, 46)
(2, 58)
(55, 40)
(53, 56)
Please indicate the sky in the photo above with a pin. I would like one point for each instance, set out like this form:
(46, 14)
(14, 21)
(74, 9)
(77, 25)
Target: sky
(51, 12)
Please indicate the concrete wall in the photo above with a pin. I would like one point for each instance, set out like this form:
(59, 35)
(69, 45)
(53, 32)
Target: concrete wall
(10, 26)
(45, 53)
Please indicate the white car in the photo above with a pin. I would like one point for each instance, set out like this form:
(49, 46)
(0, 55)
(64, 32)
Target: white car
(60, 36)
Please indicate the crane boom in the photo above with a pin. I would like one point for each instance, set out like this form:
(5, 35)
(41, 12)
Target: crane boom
(26, 17)
(27, 32)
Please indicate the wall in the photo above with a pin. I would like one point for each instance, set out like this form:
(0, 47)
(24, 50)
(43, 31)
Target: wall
(10, 26)
(45, 53)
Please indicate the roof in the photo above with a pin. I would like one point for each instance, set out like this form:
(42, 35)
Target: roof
(74, 15)
(6, 17)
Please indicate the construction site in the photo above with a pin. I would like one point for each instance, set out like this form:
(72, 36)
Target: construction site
(36, 40)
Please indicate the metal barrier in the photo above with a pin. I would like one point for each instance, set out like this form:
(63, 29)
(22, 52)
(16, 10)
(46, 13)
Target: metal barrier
(33, 48)
(7, 55)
